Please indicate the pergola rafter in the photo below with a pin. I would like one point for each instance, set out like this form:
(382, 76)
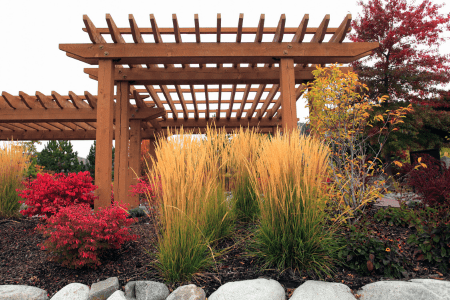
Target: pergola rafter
(185, 83)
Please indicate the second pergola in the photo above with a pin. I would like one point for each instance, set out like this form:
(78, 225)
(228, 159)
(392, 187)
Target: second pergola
(158, 84)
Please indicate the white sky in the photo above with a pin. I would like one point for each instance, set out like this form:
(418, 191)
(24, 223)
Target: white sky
(32, 30)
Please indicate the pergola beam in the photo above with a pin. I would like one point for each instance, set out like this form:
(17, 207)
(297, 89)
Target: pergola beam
(218, 53)
(79, 135)
(71, 115)
(241, 75)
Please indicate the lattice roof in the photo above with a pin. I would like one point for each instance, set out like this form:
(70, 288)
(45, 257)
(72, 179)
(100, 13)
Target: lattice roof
(178, 83)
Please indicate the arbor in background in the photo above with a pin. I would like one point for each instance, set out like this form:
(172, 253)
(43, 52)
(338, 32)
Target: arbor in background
(407, 67)
(58, 156)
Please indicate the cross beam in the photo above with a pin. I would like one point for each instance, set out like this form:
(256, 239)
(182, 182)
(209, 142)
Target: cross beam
(72, 114)
(178, 76)
(220, 53)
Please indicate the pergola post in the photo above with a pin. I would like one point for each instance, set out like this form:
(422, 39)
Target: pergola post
(288, 99)
(104, 134)
(135, 159)
(122, 138)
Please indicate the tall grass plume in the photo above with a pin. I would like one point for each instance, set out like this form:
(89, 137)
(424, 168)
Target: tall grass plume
(193, 212)
(13, 164)
(290, 177)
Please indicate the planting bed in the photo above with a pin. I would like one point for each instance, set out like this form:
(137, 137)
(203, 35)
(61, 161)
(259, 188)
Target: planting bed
(22, 262)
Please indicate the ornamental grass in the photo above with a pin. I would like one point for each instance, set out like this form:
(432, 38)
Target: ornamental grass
(193, 211)
(243, 151)
(290, 177)
(13, 165)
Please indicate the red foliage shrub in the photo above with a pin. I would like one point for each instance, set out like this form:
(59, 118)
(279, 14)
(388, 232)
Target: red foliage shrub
(75, 233)
(47, 194)
(432, 182)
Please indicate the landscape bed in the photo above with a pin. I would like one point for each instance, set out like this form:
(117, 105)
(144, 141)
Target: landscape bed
(22, 262)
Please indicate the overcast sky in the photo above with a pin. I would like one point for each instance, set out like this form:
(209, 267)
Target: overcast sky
(32, 30)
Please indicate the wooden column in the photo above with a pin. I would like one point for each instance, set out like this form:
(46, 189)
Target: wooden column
(135, 159)
(104, 135)
(287, 90)
(121, 137)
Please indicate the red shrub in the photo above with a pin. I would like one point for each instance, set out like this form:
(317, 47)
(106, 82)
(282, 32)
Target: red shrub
(432, 182)
(47, 194)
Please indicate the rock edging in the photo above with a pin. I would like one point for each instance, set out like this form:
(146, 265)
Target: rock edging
(257, 289)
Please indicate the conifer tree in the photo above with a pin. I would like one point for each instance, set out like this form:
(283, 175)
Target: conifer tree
(58, 156)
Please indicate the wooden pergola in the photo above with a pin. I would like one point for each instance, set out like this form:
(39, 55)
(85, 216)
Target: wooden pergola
(158, 84)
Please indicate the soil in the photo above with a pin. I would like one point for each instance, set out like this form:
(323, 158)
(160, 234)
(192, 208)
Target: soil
(22, 262)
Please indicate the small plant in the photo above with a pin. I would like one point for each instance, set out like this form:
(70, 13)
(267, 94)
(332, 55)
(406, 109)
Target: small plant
(75, 234)
(433, 245)
(367, 255)
(47, 194)
(402, 216)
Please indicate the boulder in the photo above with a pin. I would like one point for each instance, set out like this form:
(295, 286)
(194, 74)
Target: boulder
(73, 291)
(404, 290)
(22, 292)
(256, 289)
(146, 290)
(118, 295)
(188, 292)
(315, 290)
(103, 289)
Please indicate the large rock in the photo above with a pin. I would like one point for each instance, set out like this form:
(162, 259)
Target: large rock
(416, 289)
(146, 290)
(103, 289)
(315, 290)
(73, 291)
(118, 295)
(256, 289)
(22, 292)
(188, 292)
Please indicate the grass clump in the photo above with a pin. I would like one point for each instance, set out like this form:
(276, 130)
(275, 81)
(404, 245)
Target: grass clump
(244, 151)
(13, 164)
(290, 179)
(193, 212)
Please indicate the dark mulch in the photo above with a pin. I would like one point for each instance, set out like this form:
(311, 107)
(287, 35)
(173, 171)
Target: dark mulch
(23, 262)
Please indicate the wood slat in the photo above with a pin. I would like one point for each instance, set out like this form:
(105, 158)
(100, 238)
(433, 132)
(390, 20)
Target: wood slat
(219, 103)
(258, 95)
(94, 34)
(298, 92)
(169, 101)
(77, 101)
(135, 32)
(321, 30)
(30, 102)
(14, 102)
(61, 101)
(267, 101)
(339, 35)
(239, 32)
(207, 102)
(233, 94)
(194, 101)
(301, 30)
(92, 100)
(46, 101)
(244, 101)
(182, 101)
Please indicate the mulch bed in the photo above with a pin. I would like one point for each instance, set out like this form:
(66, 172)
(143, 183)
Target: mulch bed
(22, 262)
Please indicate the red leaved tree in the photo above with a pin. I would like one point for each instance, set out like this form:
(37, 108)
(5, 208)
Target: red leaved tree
(407, 67)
